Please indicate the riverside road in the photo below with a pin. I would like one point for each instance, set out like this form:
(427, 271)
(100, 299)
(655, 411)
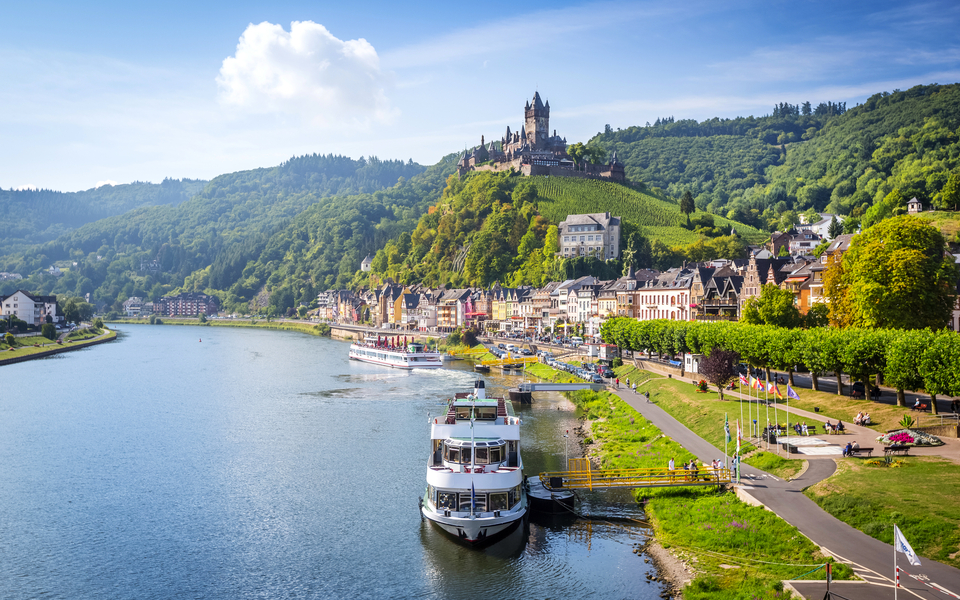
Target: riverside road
(871, 559)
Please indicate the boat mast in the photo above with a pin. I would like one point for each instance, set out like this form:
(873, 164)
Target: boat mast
(473, 458)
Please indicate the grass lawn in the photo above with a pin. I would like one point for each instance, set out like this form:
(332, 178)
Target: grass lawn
(845, 408)
(704, 414)
(45, 344)
(919, 495)
(715, 527)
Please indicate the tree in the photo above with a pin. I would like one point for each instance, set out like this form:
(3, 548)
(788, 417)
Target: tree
(835, 228)
(203, 318)
(720, 367)
(817, 316)
(950, 194)
(48, 331)
(894, 276)
(9, 339)
(687, 205)
(904, 353)
(773, 307)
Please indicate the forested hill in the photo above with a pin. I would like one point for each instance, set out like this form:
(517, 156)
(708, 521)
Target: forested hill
(37, 216)
(152, 250)
(500, 227)
(829, 158)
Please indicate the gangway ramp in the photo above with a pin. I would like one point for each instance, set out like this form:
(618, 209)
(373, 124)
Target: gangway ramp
(581, 476)
(560, 387)
(519, 360)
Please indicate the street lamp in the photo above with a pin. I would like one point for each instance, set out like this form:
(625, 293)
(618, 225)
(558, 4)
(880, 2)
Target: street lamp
(566, 460)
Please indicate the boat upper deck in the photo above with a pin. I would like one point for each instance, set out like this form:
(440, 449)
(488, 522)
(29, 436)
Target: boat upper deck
(465, 406)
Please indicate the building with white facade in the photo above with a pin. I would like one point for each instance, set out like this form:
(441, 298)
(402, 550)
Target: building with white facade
(595, 234)
(31, 308)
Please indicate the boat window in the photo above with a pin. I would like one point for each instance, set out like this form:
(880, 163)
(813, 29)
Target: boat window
(463, 412)
(482, 456)
(498, 501)
(487, 412)
(513, 495)
(465, 455)
(453, 454)
(496, 454)
(481, 502)
(447, 500)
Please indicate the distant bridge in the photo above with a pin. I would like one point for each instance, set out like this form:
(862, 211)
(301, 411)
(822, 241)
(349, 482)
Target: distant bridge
(580, 476)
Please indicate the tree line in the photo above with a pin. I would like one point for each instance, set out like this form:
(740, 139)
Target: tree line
(918, 360)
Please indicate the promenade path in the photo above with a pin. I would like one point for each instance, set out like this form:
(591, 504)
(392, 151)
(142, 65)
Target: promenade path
(870, 559)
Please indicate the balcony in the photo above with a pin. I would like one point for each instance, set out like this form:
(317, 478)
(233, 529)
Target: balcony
(719, 303)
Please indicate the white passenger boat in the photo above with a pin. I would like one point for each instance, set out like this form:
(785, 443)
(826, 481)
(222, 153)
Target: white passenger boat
(395, 352)
(475, 488)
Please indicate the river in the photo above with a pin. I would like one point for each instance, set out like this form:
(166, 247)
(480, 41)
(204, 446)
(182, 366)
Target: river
(212, 462)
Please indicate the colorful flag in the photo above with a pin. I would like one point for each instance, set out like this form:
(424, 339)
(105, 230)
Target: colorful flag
(743, 380)
(756, 383)
(900, 543)
(775, 390)
(791, 393)
(726, 427)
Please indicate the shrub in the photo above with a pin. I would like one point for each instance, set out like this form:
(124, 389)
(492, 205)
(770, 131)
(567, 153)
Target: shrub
(9, 339)
(48, 331)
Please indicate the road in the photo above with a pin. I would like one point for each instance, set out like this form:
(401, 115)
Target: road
(871, 559)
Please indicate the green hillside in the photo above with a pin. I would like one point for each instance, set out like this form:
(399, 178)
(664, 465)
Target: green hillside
(210, 240)
(765, 170)
(36, 216)
(501, 227)
(655, 219)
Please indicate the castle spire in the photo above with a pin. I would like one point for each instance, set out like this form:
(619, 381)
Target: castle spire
(537, 102)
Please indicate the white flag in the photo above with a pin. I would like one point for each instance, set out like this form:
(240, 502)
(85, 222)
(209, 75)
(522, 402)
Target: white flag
(900, 543)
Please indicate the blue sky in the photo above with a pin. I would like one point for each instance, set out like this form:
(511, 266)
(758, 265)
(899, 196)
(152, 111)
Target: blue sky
(121, 91)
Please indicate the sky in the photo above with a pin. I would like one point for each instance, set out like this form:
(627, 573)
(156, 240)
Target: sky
(100, 93)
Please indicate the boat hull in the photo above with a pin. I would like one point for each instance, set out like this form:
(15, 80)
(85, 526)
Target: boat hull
(478, 531)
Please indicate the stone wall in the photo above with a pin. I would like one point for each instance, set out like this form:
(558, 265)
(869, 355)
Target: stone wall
(950, 431)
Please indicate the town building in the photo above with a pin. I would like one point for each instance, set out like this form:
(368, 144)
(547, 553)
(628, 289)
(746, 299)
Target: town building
(187, 304)
(133, 306)
(595, 234)
(33, 309)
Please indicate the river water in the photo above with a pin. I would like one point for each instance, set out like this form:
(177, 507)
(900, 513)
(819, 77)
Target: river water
(201, 462)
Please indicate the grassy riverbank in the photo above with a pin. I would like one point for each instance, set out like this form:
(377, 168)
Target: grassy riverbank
(308, 328)
(724, 539)
(704, 414)
(918, 494)
(29, 346)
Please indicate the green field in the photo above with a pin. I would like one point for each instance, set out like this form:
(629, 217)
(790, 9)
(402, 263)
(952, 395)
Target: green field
(919, 495)
(704, 414)
(657, 219)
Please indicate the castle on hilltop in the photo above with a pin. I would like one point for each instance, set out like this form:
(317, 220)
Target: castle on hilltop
(533, 151)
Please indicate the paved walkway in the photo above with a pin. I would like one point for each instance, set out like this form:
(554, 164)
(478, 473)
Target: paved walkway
(871, 559)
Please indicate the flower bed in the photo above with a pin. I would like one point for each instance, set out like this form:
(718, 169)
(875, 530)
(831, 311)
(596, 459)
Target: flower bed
(909, 437)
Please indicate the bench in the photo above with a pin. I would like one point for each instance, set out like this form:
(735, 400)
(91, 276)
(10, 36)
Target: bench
(859, 451)
(921, 408)
(900, 450)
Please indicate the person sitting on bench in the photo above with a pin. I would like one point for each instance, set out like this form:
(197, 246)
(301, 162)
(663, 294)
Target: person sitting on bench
(856, 446)
(804, 428)
(828, 426)
(916, 404)
(847, 449)
(839, 428)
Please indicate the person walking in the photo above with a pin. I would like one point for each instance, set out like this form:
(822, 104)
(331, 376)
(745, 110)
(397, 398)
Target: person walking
(671, 466)
(618, 383)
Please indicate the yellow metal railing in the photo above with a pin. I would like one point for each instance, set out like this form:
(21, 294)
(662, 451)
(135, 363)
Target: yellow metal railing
(580, 476)
(511, 361)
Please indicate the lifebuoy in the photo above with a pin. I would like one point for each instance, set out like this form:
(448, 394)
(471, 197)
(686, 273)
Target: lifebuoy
(505, 420)
(434, 421)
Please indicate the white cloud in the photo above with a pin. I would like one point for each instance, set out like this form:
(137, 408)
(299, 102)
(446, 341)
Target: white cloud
(305, 72)
(109, 182)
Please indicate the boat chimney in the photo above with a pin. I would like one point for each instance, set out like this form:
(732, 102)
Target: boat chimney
(479, 391)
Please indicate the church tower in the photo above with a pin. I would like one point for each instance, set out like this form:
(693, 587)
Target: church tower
(537, 122)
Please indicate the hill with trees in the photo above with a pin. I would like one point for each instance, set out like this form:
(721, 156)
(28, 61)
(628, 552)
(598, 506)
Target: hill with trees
(500, 227)
(765, 170)
(36, 216)
(212, 237)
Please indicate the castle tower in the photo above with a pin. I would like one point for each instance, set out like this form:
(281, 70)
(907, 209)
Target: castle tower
(537, 122)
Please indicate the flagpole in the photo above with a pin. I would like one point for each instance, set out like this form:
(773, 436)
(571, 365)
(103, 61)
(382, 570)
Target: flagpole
(766, 401)
(896, 573)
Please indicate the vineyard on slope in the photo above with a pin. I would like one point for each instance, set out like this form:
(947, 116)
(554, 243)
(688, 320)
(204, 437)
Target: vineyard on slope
(656, 219)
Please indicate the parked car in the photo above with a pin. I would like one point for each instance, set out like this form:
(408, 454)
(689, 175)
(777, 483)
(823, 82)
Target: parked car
(596, 378)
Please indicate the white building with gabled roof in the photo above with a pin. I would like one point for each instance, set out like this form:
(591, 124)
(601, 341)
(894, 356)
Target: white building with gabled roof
(595, 234)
